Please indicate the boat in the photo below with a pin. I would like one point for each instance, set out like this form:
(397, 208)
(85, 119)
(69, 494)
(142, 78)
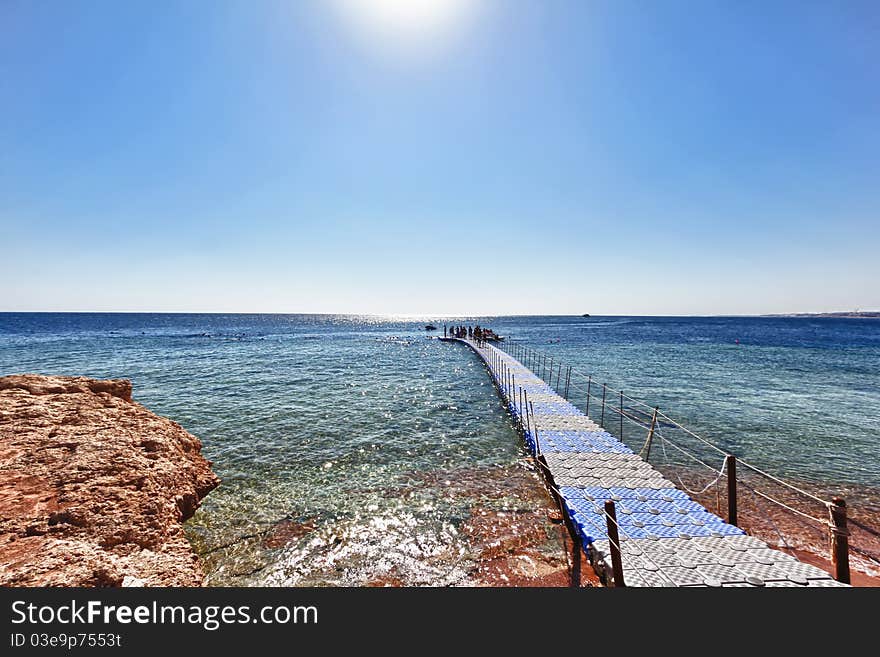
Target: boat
(585, 315)
(430, 327)
(491, 336)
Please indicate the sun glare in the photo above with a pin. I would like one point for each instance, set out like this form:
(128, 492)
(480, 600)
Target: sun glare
(407, 21)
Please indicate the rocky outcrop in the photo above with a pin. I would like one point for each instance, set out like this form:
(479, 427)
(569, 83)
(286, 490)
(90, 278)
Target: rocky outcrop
(94, 488)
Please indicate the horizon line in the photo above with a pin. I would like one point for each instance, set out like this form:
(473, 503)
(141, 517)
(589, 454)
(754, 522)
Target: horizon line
(426, 315)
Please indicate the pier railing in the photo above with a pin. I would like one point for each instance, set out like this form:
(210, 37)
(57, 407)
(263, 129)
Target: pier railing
(749, 496)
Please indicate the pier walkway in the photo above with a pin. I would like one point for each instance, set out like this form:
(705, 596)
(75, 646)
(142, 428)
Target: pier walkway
(665, 538)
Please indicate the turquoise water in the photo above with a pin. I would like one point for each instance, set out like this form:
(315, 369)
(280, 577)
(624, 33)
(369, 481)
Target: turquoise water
(361, 431)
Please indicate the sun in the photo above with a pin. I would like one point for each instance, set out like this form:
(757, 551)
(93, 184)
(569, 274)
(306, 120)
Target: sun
(413, 21)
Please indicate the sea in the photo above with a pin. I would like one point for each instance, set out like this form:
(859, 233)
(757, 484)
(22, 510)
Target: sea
(370, 442)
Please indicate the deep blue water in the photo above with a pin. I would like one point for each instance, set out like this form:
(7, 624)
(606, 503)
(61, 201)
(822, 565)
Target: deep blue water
(319, 416)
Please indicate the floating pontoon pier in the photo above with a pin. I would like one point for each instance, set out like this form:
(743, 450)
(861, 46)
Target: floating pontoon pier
(635, 526)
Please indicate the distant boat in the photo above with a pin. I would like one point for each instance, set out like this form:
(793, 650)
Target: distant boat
(430, 327)
(585, 315)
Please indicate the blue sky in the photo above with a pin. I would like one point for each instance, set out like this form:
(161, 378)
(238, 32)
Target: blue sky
(515, 157)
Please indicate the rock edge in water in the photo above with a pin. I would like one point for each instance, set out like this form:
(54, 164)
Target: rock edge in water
(94, 488)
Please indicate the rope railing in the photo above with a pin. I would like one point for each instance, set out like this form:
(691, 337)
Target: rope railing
(588, 389)
(528, 422)
(620, 411)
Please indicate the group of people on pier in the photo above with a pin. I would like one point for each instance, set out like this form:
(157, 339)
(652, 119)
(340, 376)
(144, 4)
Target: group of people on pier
(472, 332)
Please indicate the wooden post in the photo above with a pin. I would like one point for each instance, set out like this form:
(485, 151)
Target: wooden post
(620, 409)
(839, 540)
(650, 439)
(730, 462)
(604, 390)
(589, 389)
(614, 543)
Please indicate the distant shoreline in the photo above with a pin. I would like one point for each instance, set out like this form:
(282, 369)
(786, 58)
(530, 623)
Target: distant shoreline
(867, 314)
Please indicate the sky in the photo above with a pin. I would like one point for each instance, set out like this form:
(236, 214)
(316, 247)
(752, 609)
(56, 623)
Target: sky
(440, 157)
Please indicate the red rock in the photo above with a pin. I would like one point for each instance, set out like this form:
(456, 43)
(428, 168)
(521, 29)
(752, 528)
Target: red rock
(95, 487)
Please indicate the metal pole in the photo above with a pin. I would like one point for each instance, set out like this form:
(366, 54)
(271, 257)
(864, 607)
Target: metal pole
(528, 416)
(535, 425)
(589, 387)
(567, 381)
(620, 409)
(521, 416)
(730, 462)
(558, 372)
(839, 540)
(604, 390)
(614, 543)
